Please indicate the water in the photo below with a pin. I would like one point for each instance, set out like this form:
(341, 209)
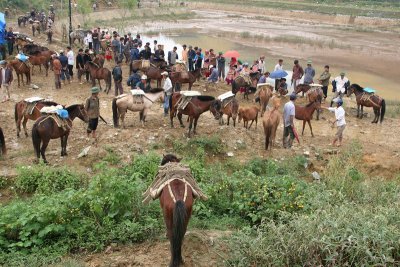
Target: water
(387, 88)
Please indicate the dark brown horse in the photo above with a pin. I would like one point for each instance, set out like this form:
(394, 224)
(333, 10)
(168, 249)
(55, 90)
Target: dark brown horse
(240, 82)
(35, 27)
(365, 99)
(99, 60)
(136, 65)
(196, 106)
(231, 110)
(39, 60)
(192, 76)
(154, 73)
(302, 88)
(306, 113)
(312, 94)
(176, 202)
(46, 128)
(3, 149)
(21, 68)
(96, 72)
(19, 113)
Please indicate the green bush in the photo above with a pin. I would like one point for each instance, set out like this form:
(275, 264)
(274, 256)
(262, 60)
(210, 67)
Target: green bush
(44, 180)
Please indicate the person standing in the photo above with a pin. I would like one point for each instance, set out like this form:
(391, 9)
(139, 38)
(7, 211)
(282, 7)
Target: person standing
(135, 53)
(89, 39)
(221, 66)
(198, 60)
(117, 75)
(309, 73)
(116, 47)
(324, 80)
(96, 41)
(10, 37)
(159, 55)
(212, 58)
(71, 61)
(92, 107)
(172, 56)
(278, 66)
(298, 73)
(184, 54)
(80, 64)
(288, 122)
(191, 57)
(261, 64)
(57, 71)
(6, 77)
(340, 85)
(87, 58)
(64, 68)
(340, 121)
(155, 46)
(168, 92)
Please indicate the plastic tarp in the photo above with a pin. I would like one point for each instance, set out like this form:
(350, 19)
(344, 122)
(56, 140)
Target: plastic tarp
(2, 28)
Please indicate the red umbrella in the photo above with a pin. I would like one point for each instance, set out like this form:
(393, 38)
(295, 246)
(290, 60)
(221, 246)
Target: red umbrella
(296, 134)
(232, 53)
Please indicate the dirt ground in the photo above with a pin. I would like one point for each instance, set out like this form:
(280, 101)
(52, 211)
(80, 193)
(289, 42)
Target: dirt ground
(380, 142)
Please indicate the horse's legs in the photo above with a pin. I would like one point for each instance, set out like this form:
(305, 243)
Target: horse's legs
(24, 125)
(43, 149)
(122, 116)
(309, 124)
(378, 114)
(362, 112)
(190, 126)
(250, 124)
(376, 118)
(304, 125)
(62, 145)
(195, 124)
(180, 119)
(18, 123)
(65, 144)
(100, 85)
(229, 118)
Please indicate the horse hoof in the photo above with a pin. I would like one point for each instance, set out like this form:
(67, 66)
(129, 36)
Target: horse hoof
(26, 135)
(182, 126)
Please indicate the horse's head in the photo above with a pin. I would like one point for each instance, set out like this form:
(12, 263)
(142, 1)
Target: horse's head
(240, 114)
(169, 158)
(82, 113)
(215, 109)
(351, 89)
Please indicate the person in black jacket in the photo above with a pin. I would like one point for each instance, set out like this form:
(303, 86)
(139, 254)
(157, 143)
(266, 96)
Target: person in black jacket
(191, 56)
(86, 58)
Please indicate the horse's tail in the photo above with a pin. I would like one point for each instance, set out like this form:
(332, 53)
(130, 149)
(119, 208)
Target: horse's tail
(16, 112)
(36, 139)
(109, 81)
(234, 90)
(170, 105)
(178, 231)
(2, 143)
(383, 109)
(267, 131)
(115, 112)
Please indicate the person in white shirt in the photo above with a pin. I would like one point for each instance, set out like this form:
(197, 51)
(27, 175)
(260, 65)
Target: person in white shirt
(261, 64)
(71, 61)
(168, 92)
(89, 40)
(278, 66)
(340, 121)
(340, 85)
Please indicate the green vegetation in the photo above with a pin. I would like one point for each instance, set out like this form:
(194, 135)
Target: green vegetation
(393, 108)
(276, 216)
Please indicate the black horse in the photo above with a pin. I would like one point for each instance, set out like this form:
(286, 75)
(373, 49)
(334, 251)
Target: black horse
(46, 128)
(249, 88)
(3, 149)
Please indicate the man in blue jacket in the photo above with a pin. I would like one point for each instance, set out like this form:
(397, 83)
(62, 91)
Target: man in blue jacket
(135, 53)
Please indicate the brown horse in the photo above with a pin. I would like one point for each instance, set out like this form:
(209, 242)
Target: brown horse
(46, 128)
(176, 77)
(312, 94)
(176, 202)
(265, 94)
(3, 150)
(230, 110)
(39, 60)
(306, 113)
(49, 33)
(19, 113)
(35, 27)
(197, 106)
(20, 42)
(99, 60)
(96, 72)
(302, 88)
(365, 99)
(248, 114)
(271, 122)
(240, 82)
(154, 73)
(21, 68)
(136, 65)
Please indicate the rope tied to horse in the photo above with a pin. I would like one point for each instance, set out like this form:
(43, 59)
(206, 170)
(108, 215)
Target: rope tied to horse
(368, 97)
(165, 175)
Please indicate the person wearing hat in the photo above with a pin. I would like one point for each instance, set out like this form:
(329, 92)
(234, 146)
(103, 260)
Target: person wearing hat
(340, 85)
(117, 76)
(64, 68)
(184, 54)
(309, 73)
(298, 73)
(288, 122)
(57, 71)
(191, 57)
(92, 107)
(168, 91)
(6, 77)
(221, 66)
(324, 81)
(340, 120)
(143, 84)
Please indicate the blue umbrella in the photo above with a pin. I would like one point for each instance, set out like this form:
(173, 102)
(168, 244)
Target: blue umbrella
(278, 74)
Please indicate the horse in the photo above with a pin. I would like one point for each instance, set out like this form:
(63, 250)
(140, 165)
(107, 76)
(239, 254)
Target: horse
(240, 82)
(3, 150)
(271, 121)
(197, 106)
(39, 60)
(302, 88)
(22, 20)
(176, 203)
(120, 105)
(368, 100)
(176, 77)
(136, 65)
(45, 128)
(19, 113)
(78, 35)
(35, 27)
(32, 48)
(99, 60)
(49, 34)
(248, 114)
(154, 73)
(265, 94)
(306, 113)
(312, 94)
(96, 72)
(21, 68)
(230, 110)
(20, 42)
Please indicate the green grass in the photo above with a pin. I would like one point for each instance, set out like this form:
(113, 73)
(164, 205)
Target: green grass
(393, 108)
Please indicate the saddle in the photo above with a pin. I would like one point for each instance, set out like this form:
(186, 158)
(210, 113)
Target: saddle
(31, 104)
(59, 115)
(186, 97)
(226, 98)
(137, 96)
(245, 77)
(145, 63)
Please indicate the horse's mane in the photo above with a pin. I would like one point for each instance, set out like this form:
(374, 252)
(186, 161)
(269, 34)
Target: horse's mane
(155, 90)
(69, 108)
(93, 64)
(310, 104)
(169, 158)
(357, 87)
(49, 103)
(205, 98)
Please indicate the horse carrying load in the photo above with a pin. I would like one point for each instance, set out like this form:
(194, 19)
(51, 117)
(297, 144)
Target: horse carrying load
(186, 97)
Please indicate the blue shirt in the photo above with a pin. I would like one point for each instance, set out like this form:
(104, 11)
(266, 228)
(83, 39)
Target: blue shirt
(309, 74)
(135, 54)
(63, 60)
(214, 76)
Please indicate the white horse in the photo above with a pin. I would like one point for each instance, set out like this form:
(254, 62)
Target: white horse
(120, 105)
